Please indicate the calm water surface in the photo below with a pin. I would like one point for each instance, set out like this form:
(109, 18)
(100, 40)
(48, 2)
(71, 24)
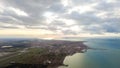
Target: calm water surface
(108, 58)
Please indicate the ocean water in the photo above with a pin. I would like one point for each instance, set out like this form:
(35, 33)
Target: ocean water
(105, 55)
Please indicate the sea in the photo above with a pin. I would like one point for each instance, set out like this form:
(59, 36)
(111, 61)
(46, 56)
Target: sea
(105, 54)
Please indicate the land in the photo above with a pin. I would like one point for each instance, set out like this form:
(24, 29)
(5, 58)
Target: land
(37, 53)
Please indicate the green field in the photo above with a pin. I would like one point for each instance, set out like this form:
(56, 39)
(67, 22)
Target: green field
(19, 57)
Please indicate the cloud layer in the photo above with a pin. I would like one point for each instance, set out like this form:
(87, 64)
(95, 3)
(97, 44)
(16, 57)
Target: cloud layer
(68, 17)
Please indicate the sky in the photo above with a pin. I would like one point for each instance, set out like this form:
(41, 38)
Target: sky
(59, 18)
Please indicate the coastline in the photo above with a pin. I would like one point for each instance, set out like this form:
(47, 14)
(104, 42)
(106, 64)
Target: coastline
(53, 51)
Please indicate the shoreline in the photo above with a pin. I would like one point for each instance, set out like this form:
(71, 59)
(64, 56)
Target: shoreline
(53, 51)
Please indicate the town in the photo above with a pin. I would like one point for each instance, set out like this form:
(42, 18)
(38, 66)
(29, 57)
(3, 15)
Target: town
(38, 53)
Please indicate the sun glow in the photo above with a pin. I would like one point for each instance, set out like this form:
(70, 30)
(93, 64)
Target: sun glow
(50, 17)
(48, 14)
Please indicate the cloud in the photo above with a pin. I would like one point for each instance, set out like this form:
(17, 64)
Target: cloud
(17, 11)
(62, 16)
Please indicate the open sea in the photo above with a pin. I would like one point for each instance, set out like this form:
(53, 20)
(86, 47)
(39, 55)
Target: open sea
(106, 54)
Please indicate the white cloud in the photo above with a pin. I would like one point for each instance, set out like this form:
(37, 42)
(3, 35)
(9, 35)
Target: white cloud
(18, 11)
(48, 14)
(50, 17)
(111, 1)
(1, 8)
(83, 8)
(65, 2)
